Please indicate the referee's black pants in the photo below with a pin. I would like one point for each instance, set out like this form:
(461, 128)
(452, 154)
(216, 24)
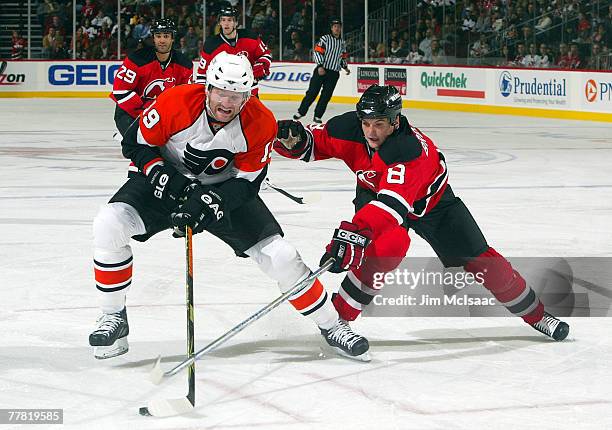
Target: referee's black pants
(328, 82)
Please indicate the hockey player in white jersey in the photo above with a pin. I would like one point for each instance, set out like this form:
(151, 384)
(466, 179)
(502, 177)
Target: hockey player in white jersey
(199, 156)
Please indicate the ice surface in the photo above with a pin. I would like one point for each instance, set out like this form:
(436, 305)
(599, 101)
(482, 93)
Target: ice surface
(538, 187)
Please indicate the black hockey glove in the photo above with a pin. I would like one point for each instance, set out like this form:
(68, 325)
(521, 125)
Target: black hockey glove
(347, 247)
(292, 135)
(169, 186)
(203, 207)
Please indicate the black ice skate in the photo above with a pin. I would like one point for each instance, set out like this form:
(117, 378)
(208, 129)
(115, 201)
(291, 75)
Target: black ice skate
(551, 326)
(109, 339)
(346, 342)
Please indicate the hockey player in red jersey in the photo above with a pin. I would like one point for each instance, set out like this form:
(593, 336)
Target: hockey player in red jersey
(402, 184)
(146, 73)
(235, 41)
(199, 155)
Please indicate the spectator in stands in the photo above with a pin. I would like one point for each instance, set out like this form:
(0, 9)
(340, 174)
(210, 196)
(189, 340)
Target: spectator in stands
(437, 53)
(52, 43)
(572, 59)
(395, 55)
(18, 45)
(528, 36)
(425, 44)
(81, 47)
(544, 23)
(89, 10)
(545, 60)
(100, 19)
(600, 35)
(468, 23)
(56, 23)
(142, 30)
(191, 42)
(532, 59)
(483, 23)
(299, 52)
(520, 54)
(479, 50)
(595, 61)
(414, 56)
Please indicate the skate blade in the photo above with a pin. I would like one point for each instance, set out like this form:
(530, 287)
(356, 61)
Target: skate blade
(120, 347)
(365, 357)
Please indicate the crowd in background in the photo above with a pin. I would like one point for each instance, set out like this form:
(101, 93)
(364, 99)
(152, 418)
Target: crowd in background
(573, 34)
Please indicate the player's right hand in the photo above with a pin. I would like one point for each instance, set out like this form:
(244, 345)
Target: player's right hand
(291, 134)
(203, 207)
(347, 247)
(168, 184)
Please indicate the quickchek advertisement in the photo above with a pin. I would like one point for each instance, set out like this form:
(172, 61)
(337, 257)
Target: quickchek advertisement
(459, 85)
(533, 88)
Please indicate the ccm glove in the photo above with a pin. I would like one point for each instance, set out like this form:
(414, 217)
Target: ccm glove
(169, 186)
(347, 247)
(203, 207)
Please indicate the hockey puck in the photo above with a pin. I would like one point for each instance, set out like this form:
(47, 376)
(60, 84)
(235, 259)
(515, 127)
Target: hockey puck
(144, 411)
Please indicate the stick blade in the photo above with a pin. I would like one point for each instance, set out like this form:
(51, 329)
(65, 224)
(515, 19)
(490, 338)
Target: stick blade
(167, 407)
(157, 373)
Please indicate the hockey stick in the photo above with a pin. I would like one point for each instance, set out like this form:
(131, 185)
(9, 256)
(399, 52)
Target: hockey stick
(167, 407)
(298, 200)
(158, 375)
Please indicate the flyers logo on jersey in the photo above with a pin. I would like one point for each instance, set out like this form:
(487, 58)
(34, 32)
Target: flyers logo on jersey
(156, 87)
(210, 162)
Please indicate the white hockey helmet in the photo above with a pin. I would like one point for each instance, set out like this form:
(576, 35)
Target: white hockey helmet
(230, 72)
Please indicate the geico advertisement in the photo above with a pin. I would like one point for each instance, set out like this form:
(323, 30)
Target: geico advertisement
(533, 88)
(82, 74)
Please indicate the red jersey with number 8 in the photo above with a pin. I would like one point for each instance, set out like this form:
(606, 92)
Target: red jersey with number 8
(408, 173)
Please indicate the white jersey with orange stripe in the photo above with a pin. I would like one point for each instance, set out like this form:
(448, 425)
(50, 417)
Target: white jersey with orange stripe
(178, 124)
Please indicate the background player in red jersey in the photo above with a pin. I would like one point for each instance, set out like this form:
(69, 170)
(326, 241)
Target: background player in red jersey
(199, 159)
(146, 73)
(402, 185)
(235, 41)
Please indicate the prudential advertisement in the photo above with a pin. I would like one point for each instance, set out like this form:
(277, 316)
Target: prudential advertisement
(532, 88)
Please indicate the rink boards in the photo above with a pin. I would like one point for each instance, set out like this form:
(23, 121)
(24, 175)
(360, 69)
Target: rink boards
(584, 95)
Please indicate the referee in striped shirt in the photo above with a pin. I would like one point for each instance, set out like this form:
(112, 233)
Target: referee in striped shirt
(330, 55)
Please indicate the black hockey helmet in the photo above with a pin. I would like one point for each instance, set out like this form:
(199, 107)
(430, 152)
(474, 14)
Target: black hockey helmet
(380, 102)
(228, 10)
(334, 21)
(164, 25)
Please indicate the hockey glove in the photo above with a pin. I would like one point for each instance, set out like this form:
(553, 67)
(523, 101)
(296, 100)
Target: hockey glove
(292, 135)
(347, 247)
(169, 186)
(203, 207)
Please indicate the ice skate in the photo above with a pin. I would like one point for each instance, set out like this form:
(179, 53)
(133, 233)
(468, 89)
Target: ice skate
(109, 339)
(344, 341)
(552, 327)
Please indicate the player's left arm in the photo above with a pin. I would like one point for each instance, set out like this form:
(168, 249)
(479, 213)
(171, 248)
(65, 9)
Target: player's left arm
(263, 60)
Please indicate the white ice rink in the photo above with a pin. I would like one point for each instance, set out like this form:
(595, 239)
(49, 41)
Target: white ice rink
(537, 187)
